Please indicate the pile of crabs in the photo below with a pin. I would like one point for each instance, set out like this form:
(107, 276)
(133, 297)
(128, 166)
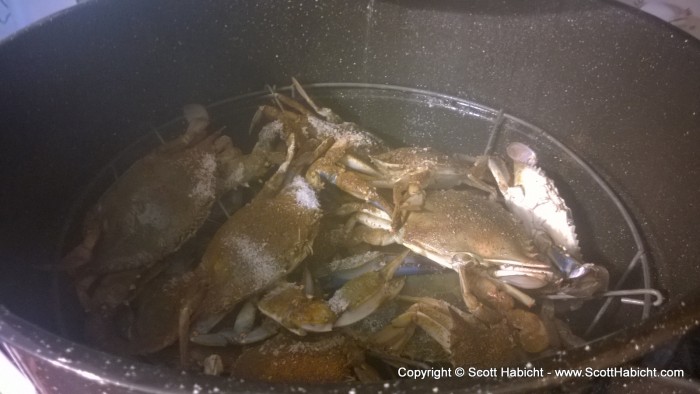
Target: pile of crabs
(350, 259)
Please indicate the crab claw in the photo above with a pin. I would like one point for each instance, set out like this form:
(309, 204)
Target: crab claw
(565, 262)
(521, 153)
(589, 280)
(289, 306)
(361, 296)
(585, 279)
(328, 169)
(197, 118)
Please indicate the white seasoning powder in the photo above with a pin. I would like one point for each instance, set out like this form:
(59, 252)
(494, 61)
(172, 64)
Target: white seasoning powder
(344, 131)
(152, 214)
(204, 176)
(263, 267)
(268, 136)
(304, 194)
(338, 303)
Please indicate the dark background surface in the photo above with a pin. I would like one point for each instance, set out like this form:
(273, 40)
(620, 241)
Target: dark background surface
(618, 87)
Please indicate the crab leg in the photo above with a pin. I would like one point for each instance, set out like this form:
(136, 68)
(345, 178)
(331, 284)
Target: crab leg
(476, 307)
(467, 340)
(436, 317)
(355, 163)
(283, 100)
(532, 333)
(289, 305)
(395, 336)
(326, 113)
(243, 331)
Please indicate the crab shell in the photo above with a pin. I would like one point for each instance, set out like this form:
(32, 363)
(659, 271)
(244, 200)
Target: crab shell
(288, 359)
(157, 204)
(454, 222)
(259, 245)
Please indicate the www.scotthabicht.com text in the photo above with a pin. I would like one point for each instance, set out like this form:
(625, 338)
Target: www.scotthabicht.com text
(513, 373)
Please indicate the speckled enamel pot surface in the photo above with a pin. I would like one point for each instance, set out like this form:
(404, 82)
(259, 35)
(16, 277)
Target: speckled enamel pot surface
(619, 88)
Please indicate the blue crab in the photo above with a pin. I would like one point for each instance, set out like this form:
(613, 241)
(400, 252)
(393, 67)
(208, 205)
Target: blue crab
(326, 358)
(161, 201)
(458, 230)
(254, 249)
(433, 329)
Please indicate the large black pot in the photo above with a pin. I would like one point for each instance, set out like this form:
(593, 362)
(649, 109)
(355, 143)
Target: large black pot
(620, 89)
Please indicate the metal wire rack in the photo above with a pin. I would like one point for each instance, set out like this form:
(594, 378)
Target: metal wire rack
(492, 127)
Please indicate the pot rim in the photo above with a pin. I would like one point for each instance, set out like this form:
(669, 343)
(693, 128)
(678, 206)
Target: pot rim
(22, 339)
